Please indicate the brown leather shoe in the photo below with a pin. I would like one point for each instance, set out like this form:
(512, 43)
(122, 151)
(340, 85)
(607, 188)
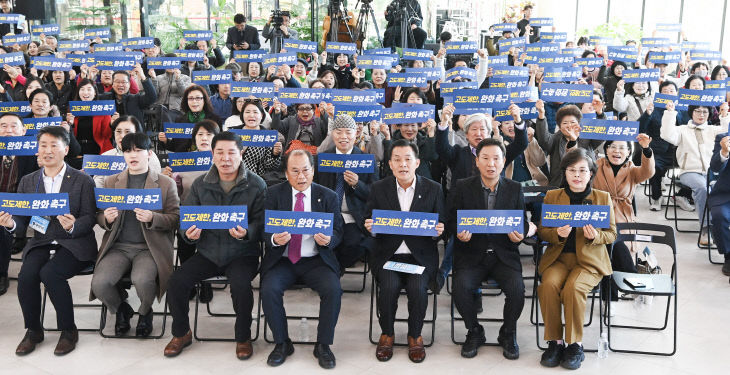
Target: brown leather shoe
(67, 342)
(416, 351)
(384, 350)
(177, 344)
(30, 340)
(244, 350)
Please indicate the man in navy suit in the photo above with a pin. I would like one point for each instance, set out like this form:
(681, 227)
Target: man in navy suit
(719, 199)
(307, 259)
(69, 237)
(352, 192)
(12, 169)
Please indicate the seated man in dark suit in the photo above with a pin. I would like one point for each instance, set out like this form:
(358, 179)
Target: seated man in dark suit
(352, 191)
(70, 237)
(404, 191)
(234, 252)
(292, 258)
(12, 169)
(481, 256)
(719, 198)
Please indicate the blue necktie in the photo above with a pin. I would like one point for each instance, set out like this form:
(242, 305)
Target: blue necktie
(340, 186)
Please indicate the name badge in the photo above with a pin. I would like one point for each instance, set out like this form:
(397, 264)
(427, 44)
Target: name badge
(39, 224)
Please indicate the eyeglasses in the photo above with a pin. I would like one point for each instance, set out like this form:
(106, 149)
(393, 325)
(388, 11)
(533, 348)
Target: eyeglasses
(617, 147)
(305, 109)
(574, 171)
(304, 171)
(195, 98)
(252, 100)
(701, 112)
(121, 82)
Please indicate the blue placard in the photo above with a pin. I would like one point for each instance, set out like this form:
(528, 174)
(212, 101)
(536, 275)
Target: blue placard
(558, 215)
(566, 93)
(490, 221)
(506, 82)
(378, 51)
(543, 48)
(256, 89)
(102, 32)
(257, 138)
(575, 52)
(602, 40)
(164, 63)
(727, 84)
(339, 163)
(19, 108)
(461, 72)
(715, 85)
(108, 47)
(589, 62)
(609, 130)
(9, 40)
(553, 37)
(49, 29)
(32, 124)
(640, 75)
(511, 72)
(704, 54)
(12, 59)
(178, 130)
(701, 97)
(213, 217)
(303, 95)
(481, 98)
(669, 27)
(654, 42)
(502, 27)
(405, 223)
(520, 94)
(417, 54)
(139, 43)
(103, 165)
(340, 47)
(45, 204)
(190, 161)
(76, 59)
(517, 42)
(51, 63)
(658, 57)
(18, 146)
(296, 45)
(73, 46)
(661, 100)
(627, 54)
(9, 18)
(128, 199)
(687, 45)
(196, 35)
(549, 59)
(379, 95)
(360, 113)
(375, 61)
(561, 74)
(528, 111)
(408, 114)
(407, 80)
(342, 96)
(211, 77)
(449, 87)
(432, 74)
(279, 59)
(115, 62)
(299, 222)
(190, 54)
(495, 61)
(461, 47)
(92, 108)
(541, 21)
(249, 56)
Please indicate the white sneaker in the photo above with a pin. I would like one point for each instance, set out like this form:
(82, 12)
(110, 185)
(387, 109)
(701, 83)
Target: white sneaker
(683, 203)
(655, 205)
(704, 237)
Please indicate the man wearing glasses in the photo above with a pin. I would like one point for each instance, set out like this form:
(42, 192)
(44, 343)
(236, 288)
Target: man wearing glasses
(130, 104)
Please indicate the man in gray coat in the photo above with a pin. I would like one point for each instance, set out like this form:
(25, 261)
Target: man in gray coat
(170, 86)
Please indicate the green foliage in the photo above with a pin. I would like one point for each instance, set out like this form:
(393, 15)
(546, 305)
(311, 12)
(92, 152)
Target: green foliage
(90, 17)
(616, 29)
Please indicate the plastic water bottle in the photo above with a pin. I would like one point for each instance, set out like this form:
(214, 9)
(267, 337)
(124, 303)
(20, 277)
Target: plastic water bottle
(304, 330)
(639, 302)
(603, 345)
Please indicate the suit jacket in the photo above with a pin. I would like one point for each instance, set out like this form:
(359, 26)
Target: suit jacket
(134, 104)
(357, 196)
(427, 197)
(590, 254)
(159, 234)
(82, 204)
(279, 197)
(720, 193)
(250, 35)
(468, 194)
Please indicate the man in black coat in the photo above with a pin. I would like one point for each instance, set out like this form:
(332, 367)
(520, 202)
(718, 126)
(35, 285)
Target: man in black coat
(481, 256)
(242, 36)
(62, 248)
(719, 199)
(131, 104)
(404, 191)
(352, 192)
(308, 259)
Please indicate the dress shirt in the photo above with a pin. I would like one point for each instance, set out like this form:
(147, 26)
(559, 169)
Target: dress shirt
(405, 198)
(309, 247)
(344, 210)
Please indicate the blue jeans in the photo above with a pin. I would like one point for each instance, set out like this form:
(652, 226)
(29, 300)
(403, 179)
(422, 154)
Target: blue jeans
(698, 183)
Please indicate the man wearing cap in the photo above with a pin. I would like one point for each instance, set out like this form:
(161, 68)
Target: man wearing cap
(352, 192)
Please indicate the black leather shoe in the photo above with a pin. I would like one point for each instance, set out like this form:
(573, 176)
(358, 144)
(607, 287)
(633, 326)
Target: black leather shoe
(206, 293)
(324, 355)
(478, 303)
(508, 342)
(573, 356)
(725, 270)
(144, 324)
(30, 340)
(553, 355)
(280, 352)
(4, 284)
(474, 339)
(67, 342)
(124, 314)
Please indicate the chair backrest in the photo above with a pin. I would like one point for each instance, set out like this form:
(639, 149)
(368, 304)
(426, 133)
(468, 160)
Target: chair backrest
(637, 232)
(536, 193)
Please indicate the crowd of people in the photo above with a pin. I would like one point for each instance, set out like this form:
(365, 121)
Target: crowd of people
(447, 163)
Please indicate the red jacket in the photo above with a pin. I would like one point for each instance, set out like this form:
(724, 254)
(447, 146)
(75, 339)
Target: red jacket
(102, 131)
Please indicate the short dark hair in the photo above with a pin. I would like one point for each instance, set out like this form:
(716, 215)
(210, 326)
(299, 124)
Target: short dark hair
(239, 18)
(296, 152)
(139, 141)
(256, 103)
(39, 92)
(491, 142)
(227, 136)
(716, 71)
(697, 65)
(694, 77)
(127, 118)
(568, 110)
(667, 83)
(574, 156)
(445, 36)
(414, 90)
(209, 125)
(405, 143)
(528, 6)
(83, 83)
(11, 114)
(56, 132)
(122, 72)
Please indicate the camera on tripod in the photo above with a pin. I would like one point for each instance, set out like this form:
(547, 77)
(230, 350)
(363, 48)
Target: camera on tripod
(277, 17)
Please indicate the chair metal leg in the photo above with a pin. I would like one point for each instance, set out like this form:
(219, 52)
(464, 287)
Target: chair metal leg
(373, 307)
(75, 305)
(227, 315)
(103, 320)
(364, 272)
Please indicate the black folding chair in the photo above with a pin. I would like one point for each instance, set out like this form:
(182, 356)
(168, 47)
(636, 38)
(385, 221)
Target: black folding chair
(488, 284)
(674, 187)
(85, 272)
(373, 300)
(314, 318)
(219, 280)
(705, 218)
(126, 283)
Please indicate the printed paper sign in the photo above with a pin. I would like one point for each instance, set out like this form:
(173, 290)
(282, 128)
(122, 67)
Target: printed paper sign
(609, 130)
(299, 222)
(92, 108)
(128, 199)
(190, 161)
(213, 217)
(44, 204)
(558, 215)
(103, 165)
(32, 124)
(339, 163)
(257, 138)
(18, 146)
(490, 221)
(408, 114)
(405, 223)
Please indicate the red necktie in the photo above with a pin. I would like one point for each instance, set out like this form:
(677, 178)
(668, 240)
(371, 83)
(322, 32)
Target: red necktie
(295, 244)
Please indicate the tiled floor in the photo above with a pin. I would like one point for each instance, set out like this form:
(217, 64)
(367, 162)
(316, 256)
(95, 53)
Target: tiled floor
(704, 303)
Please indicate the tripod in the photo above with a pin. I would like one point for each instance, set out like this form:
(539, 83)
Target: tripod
(277, 36)
(337, 15)
(406, 34)
(363, 21)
